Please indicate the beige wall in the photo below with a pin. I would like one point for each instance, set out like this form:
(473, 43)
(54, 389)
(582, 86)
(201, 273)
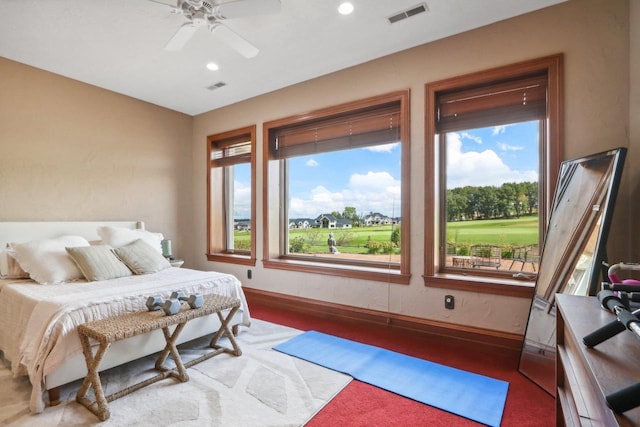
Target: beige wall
(594, 37)
(71, 151)
(633, 165)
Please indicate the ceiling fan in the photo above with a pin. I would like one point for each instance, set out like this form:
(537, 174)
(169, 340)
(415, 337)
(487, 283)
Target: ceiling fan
(207, 14)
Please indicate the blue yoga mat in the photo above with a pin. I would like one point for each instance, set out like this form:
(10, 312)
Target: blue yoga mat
(469, 395)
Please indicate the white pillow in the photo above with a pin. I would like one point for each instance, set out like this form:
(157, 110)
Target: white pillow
(47, 261)
(141, 258)
(119, 236)
(9, 266)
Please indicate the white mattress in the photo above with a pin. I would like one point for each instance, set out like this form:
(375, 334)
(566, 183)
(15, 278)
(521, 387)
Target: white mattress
(38, 322)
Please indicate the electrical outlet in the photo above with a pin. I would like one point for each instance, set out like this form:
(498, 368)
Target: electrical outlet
(248, 274)
(449, 302)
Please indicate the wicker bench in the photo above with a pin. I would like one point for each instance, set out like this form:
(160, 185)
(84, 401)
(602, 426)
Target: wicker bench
(117, 328)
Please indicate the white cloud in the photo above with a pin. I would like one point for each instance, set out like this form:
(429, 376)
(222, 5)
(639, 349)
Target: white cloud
(497, 130)
(242, 200)
(321, 200)
(476, 139)
(312, 163)
(479, 168)
(506, 147)
(384, 148)
(370, 192)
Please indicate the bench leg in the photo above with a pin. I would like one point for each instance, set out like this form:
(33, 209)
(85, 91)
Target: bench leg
(224, 328)
(100, 407)
(180, 372)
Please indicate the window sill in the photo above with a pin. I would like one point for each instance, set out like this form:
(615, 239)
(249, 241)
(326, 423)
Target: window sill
(232, 259)
(483, 285)
(352, 271)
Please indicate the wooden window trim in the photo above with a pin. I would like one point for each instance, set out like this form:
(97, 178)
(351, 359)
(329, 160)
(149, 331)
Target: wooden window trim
(218, 253)
(273, 259)
(550, 156)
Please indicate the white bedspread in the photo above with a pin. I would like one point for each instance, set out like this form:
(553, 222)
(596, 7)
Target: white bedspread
(38, 322)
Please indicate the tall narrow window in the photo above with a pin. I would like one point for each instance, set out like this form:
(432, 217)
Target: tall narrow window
(496, 139)
(231, 195)
(342, 189)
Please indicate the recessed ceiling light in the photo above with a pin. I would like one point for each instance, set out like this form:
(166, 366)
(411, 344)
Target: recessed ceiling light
(212, 66)
(345, 8)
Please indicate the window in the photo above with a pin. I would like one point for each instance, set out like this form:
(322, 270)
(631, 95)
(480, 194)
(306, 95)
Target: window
(231, 196)
(337, 190)
(493, 138)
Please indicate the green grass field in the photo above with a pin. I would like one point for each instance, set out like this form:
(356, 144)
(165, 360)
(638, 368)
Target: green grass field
(503, 232)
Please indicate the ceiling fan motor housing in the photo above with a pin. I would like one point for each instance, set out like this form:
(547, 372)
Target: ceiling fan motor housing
(201, 13)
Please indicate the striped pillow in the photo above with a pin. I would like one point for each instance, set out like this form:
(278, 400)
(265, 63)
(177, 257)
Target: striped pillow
(141, 257)
(98, 263)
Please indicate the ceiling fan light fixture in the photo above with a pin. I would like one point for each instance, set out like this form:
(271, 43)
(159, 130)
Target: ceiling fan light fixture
(212, 66)
(211, 13)
(345, 8)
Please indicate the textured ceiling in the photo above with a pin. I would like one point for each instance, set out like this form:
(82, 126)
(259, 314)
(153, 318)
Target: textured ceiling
(118, 44)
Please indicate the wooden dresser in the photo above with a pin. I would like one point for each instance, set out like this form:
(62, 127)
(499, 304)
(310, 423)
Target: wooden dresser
(584, 376)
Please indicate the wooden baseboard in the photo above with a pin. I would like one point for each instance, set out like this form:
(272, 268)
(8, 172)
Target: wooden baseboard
(332, 310)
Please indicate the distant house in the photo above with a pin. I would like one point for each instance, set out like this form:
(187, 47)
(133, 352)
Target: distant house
(300, 223)
(330, 221)
(378, 219)
(243, 225)
(343, 223)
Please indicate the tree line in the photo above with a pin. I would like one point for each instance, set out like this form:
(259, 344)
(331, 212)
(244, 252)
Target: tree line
(511, 199)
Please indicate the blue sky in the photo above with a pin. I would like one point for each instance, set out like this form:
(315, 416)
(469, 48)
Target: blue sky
(366, 178)
(369, 178)
(493, 155)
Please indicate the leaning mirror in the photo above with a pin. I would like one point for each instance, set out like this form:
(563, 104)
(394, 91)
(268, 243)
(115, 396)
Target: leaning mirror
(573, 252)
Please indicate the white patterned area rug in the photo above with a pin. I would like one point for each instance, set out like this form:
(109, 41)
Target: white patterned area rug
(262, 387)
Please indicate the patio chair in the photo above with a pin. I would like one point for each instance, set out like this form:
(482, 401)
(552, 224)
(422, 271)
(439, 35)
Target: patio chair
(524, 255)
(519, 255)
(533, 255)
(485, 256)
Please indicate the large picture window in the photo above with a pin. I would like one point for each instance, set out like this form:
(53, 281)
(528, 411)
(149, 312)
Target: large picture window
(496, 139)
(337, 190)
(231, 196)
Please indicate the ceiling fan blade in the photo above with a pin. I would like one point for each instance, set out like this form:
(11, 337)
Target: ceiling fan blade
(239, 44)
(181, 37)
(243, 8)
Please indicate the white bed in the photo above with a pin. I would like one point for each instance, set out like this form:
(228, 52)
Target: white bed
(37, 322)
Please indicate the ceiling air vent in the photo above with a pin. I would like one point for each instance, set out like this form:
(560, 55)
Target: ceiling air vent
(420, 8)
(216, 86)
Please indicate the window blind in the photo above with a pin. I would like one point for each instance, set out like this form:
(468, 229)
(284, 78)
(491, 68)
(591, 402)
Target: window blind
(363, 128)
(501, 103)
(231, 151)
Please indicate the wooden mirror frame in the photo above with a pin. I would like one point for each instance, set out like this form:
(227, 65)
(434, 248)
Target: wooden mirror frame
(573, 253)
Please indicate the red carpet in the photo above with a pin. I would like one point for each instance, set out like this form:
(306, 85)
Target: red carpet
(360, 404)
